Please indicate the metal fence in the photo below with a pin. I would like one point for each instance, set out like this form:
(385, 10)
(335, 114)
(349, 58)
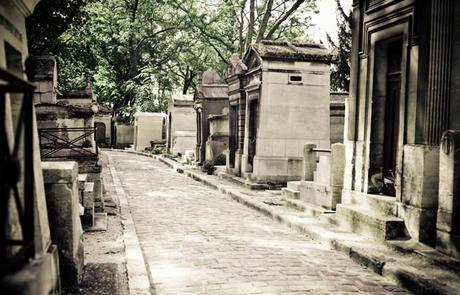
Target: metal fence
(68, 143)
(17, 244)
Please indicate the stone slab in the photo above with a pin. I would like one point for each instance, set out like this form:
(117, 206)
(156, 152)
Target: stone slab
(59, 171)
(100, 222)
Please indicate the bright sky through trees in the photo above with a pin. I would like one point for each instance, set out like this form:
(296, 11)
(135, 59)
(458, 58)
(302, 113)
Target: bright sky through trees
(325, 21)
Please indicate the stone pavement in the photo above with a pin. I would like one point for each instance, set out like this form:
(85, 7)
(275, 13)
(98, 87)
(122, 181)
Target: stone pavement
(196, 240)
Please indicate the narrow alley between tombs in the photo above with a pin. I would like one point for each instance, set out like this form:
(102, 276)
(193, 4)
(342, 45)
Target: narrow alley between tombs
(196, 240)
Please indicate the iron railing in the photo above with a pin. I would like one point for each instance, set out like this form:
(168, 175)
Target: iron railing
(69, 143)
(321, 150)
(17, 243)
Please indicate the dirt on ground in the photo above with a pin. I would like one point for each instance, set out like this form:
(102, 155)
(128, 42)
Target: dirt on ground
(105, 262)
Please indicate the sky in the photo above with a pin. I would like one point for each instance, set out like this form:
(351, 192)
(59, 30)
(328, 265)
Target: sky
(325, 21)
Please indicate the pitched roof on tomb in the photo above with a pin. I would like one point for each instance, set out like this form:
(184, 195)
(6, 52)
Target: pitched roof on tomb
(286, 50)
(211, 86)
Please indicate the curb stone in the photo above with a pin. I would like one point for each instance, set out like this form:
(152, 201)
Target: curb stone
(138, 277)
(406, 276)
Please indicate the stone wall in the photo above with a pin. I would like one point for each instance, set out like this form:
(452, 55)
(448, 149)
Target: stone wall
(147, 127)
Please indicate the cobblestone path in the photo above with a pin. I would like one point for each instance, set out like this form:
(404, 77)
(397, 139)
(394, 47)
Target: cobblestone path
(198, 241)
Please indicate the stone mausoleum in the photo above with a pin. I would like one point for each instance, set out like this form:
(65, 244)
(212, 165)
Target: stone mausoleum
(211, 98)
(287, 104)
(181, 125)
(405, 84)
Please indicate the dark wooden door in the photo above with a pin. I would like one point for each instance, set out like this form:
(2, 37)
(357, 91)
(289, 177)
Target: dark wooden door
(253, 122)
(233, 134)
(100, 133)
(392, 110)
(392, 113)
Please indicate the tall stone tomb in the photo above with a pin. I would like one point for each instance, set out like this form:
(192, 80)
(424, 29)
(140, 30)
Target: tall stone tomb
(28, 256)
(181, 125)
(211, 99)
(286, 91)
(404, 94)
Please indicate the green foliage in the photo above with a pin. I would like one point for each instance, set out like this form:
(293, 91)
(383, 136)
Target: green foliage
(208, 167)
(137, 52)
(340, 74)
(219, 160)
(156, 149)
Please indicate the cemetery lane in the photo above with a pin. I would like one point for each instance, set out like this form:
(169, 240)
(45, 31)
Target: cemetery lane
(196, 240)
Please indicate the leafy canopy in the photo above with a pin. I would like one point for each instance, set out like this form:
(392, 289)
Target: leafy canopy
(137, 52)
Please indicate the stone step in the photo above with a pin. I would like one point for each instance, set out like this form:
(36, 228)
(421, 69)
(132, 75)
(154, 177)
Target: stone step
(290, 193)
(100, 222)
(370, 223)
(377, 203)
(310, 209)
(293, 185)
(87, 219)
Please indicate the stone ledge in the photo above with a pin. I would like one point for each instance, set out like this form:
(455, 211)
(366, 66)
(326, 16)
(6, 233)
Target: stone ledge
(59, 171)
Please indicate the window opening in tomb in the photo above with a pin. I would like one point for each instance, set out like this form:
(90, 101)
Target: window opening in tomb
(385, 123)
(295, 79)
(13, 60)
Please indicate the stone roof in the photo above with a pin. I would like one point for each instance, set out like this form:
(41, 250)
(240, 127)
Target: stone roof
(211, 86)
(286, 50)
(211, 77)
(235, 65)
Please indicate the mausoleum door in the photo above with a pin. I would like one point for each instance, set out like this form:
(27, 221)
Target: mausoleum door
(233, 134)
(385, 117)
(253, 121)
(391, 125)
(169, 132)
(100, 133)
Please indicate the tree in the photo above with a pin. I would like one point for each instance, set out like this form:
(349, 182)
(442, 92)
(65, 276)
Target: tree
(137, 52)
(50, 19)
(340, 74)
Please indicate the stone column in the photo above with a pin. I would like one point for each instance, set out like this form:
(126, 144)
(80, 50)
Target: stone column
(309, 162)
(448, 221)
(63, 212)
(439, 71)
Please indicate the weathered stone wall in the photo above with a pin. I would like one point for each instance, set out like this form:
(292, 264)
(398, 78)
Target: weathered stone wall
(147, 127)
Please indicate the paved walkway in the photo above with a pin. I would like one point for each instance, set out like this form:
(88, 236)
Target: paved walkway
(198, 241)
